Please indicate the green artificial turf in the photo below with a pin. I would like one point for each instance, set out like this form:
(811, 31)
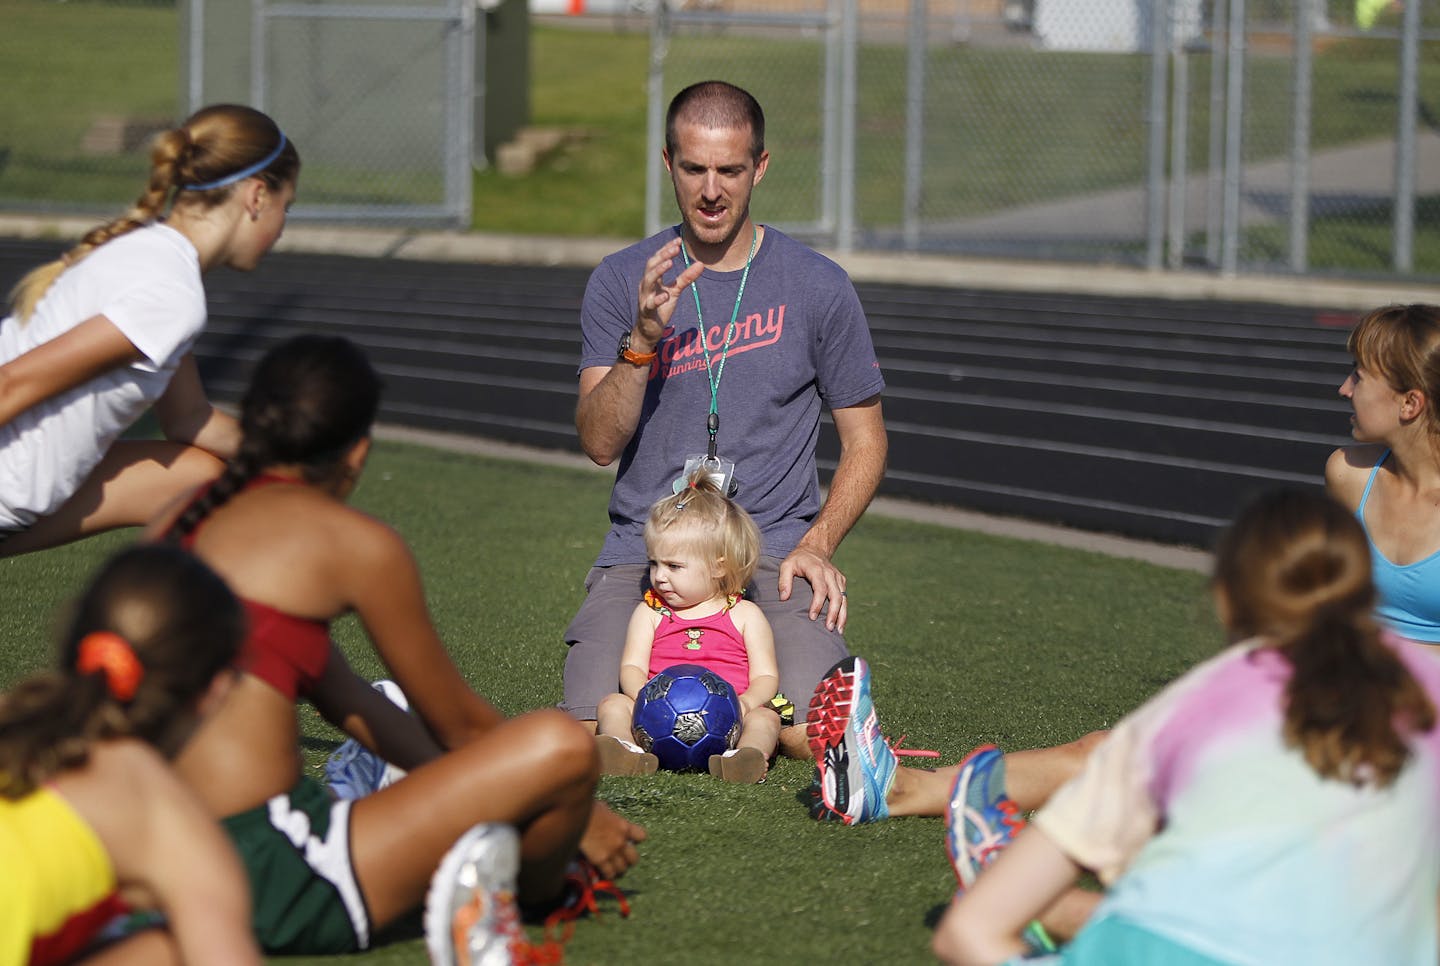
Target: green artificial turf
(972, 638)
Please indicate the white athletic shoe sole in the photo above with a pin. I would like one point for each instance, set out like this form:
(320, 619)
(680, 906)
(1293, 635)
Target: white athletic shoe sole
(470, 914)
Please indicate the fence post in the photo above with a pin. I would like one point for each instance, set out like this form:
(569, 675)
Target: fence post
(654, 114)
(831, 86)
(1234, 159)
(1215, 173)
(195, 57)
(915, 53)
(1300, 138)
(464, 132)
(1405, 139)
(1155, 170)
(258, 39)
(849, 80)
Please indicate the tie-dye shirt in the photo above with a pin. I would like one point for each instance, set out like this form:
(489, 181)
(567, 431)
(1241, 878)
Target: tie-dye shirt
(1210, 831)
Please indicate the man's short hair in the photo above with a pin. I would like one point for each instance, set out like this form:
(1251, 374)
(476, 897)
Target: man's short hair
(716, 104)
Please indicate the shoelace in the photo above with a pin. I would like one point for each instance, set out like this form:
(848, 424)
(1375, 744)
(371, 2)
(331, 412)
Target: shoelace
(583, 884)
(549, 952)
(909, 752)
(523, 952)
(893, 745)
(983, 850)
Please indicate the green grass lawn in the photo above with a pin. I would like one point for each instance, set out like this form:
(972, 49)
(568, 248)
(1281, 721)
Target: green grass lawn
(1341, 243)
(973, 638)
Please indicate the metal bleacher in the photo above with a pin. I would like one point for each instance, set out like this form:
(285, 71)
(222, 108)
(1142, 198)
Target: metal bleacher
(1145, 417)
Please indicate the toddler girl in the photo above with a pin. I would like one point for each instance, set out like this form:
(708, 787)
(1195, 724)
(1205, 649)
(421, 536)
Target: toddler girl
(703, 550)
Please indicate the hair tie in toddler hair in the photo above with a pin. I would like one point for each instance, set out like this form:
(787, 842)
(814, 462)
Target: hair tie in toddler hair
(109, 652)
(243, 173)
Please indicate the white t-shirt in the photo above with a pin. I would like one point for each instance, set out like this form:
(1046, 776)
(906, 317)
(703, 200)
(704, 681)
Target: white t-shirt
(148, 284)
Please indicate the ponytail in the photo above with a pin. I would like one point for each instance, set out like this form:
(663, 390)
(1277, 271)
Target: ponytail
(148, 637)
(1295, 568)
(310, 400)
(1350, 703)
(193, 160)
(239, 471)
(713, 525)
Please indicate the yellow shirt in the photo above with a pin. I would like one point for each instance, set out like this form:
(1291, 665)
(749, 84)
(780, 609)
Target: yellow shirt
(58, 886)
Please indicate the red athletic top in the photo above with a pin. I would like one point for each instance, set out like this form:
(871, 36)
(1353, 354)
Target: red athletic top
(288, 653)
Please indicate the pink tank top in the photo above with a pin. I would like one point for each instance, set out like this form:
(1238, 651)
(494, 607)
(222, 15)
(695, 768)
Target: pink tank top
(712, 642)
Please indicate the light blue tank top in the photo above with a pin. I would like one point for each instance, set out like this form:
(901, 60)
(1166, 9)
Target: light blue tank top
(1409, 596)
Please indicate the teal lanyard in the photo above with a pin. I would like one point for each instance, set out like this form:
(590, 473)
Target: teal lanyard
(712, 421)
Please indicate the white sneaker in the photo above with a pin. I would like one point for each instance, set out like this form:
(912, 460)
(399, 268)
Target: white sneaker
(354, 771)
(470, 914)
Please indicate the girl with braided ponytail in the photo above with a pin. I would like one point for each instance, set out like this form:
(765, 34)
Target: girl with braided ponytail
(1278, 803)
(94, 825)
(327, 874)
(104, 333)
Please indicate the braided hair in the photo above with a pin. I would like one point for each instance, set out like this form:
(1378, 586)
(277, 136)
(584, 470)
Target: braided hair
(211, 145)
(310, 400)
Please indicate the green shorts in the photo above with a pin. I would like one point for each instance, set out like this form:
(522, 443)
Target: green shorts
(296, 851)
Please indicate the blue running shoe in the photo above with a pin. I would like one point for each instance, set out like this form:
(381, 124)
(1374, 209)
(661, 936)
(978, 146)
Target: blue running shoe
(854, 764)
(980, 820)
(354, 771)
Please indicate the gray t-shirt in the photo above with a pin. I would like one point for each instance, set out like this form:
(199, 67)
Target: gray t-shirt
(801, 340)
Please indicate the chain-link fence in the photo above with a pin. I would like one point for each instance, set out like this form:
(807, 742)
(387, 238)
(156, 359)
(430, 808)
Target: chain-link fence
(378, 93)
(389, 98)
(1272, 135)
(1238, 135)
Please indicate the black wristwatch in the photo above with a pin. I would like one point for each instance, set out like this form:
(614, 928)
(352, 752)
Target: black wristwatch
(627, 354)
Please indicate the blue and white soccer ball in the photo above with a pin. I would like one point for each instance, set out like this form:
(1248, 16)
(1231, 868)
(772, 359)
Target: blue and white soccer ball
(684, 715)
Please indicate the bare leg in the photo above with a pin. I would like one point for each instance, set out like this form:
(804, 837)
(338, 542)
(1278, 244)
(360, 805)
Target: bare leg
(537, 772)
(795, 743)
(614, 715)
(760, 731)
(916, 791)
(1031, 777)
(1067, 915)
(135, 480)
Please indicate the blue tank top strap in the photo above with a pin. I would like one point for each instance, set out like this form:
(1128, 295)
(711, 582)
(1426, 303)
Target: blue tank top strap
(1360, 510)
(1408, 597)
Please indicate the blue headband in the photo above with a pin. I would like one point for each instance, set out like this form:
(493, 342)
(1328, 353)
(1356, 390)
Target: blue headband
(243, 173)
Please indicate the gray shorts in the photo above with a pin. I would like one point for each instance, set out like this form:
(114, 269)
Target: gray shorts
(804, 648)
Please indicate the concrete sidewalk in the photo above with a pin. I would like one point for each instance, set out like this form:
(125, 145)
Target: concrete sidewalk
(1357, 178)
